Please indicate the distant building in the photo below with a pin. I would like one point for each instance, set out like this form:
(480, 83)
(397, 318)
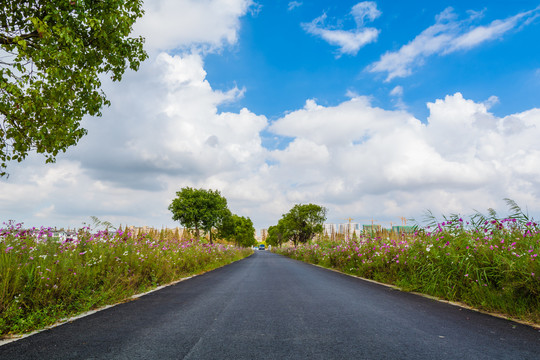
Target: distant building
(371, 228)
(329, 229)
(402, 229)
(264, 235)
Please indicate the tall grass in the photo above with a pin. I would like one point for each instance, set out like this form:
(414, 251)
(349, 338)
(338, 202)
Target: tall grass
(488, 263)
(44, 279)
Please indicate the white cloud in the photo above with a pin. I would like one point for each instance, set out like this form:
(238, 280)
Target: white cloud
(389, 164)
(181, 24)
(397, 91)
(496, 29)
(354, 158)
(294, 4)
(164, 131)
(489, 103)
(365, 10)
(447, 35)
(348, 41)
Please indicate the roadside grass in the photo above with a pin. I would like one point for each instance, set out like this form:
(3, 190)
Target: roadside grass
(43, 279)
(487, 263)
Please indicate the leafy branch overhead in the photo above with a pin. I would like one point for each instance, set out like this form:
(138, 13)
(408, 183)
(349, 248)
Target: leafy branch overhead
(51, 55)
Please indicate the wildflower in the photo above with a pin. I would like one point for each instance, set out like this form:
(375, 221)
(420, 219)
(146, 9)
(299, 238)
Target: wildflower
(466, 275)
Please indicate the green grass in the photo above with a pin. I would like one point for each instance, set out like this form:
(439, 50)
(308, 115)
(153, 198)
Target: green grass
(491, 264)
(43, 279)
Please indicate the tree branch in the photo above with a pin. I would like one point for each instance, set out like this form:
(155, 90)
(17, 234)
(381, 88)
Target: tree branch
(6, 40)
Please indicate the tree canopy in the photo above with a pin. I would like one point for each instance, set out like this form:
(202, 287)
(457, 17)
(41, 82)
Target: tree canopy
(239, 229)
(51, 55)
(199, 209)
(300, 224)
(276, 234)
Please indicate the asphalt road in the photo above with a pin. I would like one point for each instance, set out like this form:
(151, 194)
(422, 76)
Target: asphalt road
(271, 307)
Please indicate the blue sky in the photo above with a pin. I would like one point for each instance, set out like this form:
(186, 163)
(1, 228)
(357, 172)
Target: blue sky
(373, 109)
(280, 64)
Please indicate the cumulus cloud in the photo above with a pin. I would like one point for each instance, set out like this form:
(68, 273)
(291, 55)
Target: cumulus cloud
(164, 131)
(348, 41)
(389, 163)
(357, 159)
(173, 24)
(446, 36)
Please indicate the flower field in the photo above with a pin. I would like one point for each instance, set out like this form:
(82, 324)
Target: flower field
(492, 264)
(44, 279)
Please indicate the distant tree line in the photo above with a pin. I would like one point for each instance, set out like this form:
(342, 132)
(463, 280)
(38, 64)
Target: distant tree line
(207, 211)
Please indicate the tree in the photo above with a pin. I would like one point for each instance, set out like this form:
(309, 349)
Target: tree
(302, 222)
(52, 53)
(199, 209)
(276, 234)
(238, 229)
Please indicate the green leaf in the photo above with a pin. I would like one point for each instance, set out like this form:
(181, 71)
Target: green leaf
(52, 80)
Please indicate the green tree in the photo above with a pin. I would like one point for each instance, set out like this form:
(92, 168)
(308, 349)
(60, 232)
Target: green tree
(302, 222)
(199, 209)
(239, 229)
(53, 52)
(276, 234)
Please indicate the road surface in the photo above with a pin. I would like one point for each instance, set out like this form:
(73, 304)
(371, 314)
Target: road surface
(271, 307)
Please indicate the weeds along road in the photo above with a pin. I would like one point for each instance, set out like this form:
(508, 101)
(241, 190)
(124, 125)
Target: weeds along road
(271, 307)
